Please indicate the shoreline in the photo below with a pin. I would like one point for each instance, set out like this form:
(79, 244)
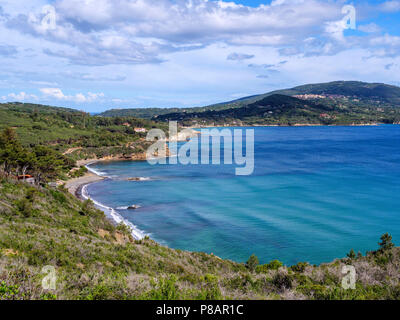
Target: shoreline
(77, 187)
(296, 125)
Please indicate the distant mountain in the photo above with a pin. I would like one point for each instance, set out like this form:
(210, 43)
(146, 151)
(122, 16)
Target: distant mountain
(367, 94)
(279, 109)
(275, 107)
(362, 90)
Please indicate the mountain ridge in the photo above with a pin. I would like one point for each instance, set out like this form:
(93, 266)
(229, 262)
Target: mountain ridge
(368, 92)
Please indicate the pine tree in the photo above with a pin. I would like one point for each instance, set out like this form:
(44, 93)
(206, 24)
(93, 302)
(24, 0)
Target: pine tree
(351, 254)
(386, 242)
(252, 263)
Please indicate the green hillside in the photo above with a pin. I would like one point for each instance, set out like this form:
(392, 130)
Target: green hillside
(93, 259)
(372, 92)
(369, 94)
(64, 129)
(278, 109)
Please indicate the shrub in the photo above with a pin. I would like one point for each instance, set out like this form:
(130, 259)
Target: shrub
(282, 281)
(273, 265)
(315, 291)
(48, 296)
(87, 205)
(351, 254)
(8, 292)
(58, 196)
(300, 267)
(79, 173)
(123, 228)
(386, 242)
(164, 289)
(210, 289)
(24, 206)
(252, 262)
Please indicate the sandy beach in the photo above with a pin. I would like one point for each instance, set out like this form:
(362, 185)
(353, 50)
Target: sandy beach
(75, 185)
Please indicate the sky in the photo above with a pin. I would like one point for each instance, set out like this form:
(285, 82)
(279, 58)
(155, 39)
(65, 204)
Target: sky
(95, 55)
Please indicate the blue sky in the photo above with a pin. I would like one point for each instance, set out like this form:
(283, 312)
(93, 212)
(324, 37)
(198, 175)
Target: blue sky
(101, 54)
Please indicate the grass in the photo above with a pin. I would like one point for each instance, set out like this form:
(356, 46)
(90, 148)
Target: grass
(94, 259)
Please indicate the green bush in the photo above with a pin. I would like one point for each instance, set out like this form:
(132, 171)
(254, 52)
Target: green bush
(273, 265)
(386, 242)
(282, 281)
(252, 262)
(315, 291)
(79, 173)
(164, 289)
(300, 267)
(24, 206)
(210, 289)
(351, 254)
(8, 292)
(58, 196)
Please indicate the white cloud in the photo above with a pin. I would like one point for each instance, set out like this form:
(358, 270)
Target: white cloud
(57, 93)
(174, 52)
(22, 96)
(390, 6)
(370, 28)
(100, 32)
(53, 93)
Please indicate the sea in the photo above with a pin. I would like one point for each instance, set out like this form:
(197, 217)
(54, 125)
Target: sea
(316, 193)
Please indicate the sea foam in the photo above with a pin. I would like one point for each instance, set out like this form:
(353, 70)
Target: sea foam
(110, 212)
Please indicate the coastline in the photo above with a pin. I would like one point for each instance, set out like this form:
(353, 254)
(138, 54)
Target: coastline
(237, 125)
(77, 187)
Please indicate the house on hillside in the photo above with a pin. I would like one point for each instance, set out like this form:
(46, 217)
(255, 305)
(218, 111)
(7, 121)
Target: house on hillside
(142, 130)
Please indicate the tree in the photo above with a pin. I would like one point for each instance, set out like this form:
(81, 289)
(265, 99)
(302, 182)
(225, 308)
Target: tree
(48, 163)
(13, 155)
(351, 254)
(386, 242)
(252, 263)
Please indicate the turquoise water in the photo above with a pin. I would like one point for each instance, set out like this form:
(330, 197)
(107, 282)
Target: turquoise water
(316, 192)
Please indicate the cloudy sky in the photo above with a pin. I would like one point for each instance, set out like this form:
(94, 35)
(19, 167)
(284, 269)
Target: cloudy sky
(100, 54)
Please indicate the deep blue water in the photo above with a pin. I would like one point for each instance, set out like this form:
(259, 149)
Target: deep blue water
(316, 192)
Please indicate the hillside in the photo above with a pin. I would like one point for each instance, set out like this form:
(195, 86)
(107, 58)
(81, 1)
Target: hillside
(43, 226)
(150, 113)
(65, 129)
(143, 113)
(278, 109)
(368, 94)
(93, 259)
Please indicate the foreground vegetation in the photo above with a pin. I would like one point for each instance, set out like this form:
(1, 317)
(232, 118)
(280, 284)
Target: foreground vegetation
(94, 259)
